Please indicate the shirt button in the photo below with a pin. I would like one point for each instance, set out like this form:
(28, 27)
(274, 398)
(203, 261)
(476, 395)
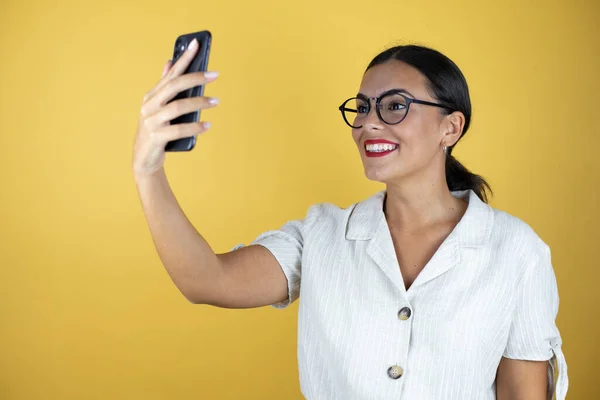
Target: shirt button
(404, 314)
(395, 372)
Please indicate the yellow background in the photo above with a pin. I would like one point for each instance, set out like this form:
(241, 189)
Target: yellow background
(86, 309)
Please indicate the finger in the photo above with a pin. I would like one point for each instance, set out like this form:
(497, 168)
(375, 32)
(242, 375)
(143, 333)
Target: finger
(180, 65)
(185, 59)
(166, 68)
(152, 91)
(181, 107)
(180, 131)
(154, 101)
(176, 69)
(181, 83)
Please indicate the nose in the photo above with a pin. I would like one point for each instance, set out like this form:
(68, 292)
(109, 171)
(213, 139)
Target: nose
(372, 121)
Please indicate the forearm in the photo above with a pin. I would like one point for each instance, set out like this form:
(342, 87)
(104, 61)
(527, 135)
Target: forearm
(187, 257)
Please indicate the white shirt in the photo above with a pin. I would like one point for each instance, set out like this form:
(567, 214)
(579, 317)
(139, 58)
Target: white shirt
(488, 291)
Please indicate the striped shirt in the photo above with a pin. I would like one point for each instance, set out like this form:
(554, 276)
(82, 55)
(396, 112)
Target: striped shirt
(488, 292)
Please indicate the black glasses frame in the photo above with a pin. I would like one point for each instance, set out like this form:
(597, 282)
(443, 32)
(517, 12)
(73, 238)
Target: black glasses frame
(409, 101)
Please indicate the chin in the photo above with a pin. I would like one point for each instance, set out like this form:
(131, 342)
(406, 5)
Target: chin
(382, 175)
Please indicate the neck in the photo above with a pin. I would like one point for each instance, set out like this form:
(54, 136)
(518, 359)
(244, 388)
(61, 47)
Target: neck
(422, 203)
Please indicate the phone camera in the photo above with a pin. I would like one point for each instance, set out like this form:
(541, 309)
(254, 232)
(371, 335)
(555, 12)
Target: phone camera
(180, 47)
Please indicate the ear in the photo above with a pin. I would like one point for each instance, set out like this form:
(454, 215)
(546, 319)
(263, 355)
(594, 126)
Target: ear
(452, 128)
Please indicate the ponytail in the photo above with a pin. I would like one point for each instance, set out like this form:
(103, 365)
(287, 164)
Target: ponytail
(459, 177)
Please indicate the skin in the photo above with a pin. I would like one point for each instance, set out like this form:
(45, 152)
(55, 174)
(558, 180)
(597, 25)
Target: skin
(245, 278)
(419, 208)
(417, 194)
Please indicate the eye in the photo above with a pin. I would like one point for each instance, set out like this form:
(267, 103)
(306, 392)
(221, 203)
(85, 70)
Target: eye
(395, 106)
(362, 109)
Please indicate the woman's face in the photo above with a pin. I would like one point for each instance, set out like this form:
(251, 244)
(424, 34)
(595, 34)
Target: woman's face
(417, 140)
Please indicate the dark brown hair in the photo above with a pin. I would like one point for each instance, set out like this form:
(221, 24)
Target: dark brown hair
(447, 85)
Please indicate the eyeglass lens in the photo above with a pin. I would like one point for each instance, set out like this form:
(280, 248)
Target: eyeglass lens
(393, 109)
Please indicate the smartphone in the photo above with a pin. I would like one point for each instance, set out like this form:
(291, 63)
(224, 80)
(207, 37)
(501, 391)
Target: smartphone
(199, 63)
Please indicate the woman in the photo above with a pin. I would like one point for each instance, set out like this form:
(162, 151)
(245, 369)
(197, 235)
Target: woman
(422, 291)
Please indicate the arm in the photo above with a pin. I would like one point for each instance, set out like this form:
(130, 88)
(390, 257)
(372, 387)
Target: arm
(522, 380)
(533, 353)
(248, 277)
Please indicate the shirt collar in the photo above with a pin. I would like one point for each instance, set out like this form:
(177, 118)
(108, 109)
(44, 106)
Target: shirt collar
(473, 229)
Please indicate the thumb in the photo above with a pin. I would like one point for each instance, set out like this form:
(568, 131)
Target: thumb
(166, 68)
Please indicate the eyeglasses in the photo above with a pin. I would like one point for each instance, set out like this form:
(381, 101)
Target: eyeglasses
(391, 107)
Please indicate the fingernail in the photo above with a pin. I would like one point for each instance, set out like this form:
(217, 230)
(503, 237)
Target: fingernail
(211, 74)
(193, 44)
(213, 100)
(206, 125)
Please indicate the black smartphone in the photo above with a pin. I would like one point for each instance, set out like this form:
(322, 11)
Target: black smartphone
(199, 63)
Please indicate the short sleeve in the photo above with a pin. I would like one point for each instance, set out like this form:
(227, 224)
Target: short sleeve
(534, 335)
(286, 245)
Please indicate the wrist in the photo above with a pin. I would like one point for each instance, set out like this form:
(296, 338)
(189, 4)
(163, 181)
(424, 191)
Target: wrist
(143, 177)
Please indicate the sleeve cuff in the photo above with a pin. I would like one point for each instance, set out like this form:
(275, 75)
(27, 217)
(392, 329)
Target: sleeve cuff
(558, 378)
(286, 261)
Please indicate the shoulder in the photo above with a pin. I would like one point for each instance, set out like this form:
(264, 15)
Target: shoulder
(517, 236)
(529, 259)
(519, 250)
(327, 215)
(325, 212)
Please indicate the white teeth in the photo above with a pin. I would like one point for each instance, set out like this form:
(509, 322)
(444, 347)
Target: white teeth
(381, 147)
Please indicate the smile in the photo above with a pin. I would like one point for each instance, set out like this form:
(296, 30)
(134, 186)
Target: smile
(379, 147)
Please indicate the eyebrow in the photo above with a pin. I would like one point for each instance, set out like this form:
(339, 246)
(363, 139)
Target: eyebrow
(365, 97)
